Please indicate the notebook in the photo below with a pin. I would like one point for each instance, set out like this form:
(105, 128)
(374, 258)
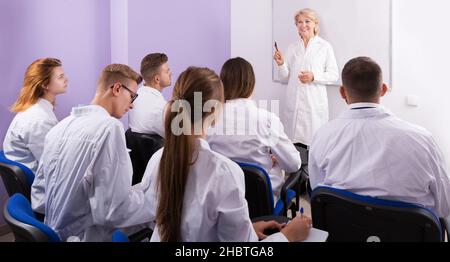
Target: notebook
(316, 235)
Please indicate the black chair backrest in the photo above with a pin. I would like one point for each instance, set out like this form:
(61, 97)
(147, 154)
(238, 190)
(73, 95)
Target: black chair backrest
(142, 147)
(258, 190)
(351, 217)
(14, 180)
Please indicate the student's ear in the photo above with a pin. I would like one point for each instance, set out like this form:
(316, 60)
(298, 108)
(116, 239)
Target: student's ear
(157, 79)
(343, 94)
(116, 89)
(384, 89)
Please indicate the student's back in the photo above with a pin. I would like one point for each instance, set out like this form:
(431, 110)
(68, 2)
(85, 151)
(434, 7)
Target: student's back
(84, 179)
(250, 134)
(214, 200)
(369, 151)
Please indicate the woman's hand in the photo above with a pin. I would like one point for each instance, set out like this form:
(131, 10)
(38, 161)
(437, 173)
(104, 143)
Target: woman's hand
(306, 77)
(298, 228)
(274, 160)
(278, 57)
(262, 226)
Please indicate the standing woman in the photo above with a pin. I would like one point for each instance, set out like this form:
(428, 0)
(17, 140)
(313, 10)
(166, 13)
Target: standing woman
(308, 66)
(200, 194)
(24, 140)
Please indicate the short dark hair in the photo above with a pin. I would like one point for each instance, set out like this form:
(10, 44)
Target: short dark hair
(151, 64)
(238, 78)
(362, 77)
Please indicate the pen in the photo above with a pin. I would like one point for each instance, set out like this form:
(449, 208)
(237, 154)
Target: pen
(276, 46)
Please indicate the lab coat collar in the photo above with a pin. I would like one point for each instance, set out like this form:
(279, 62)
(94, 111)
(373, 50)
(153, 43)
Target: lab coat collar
(312, 41)
(45, 104)
(359, 105)
(373, 110)
(203, 144)
(88, 109)
(241, 101)
(149, 89)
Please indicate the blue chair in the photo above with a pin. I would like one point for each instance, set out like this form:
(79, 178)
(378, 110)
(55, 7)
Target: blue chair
(23, 222)
(16, 177)
(119, 236)
(259, 195)
(351, 217)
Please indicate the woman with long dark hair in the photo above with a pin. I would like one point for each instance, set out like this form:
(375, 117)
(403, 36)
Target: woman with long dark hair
(200, 194)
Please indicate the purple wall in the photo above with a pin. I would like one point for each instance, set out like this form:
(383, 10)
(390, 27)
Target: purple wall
(75, 31)
(194, 32)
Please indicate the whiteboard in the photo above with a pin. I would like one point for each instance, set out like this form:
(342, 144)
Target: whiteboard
(353, 28)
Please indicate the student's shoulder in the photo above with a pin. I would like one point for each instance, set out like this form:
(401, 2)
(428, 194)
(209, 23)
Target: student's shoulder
(408, 130)
(224, 163)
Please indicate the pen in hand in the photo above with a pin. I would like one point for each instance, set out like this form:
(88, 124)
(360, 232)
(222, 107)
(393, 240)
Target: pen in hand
(276, 46)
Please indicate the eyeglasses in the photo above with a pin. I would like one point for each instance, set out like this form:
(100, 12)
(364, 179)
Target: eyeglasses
(133, 94)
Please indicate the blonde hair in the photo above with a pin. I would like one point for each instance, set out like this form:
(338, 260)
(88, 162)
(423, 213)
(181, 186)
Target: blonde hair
(37, 76)
(114, 73)
(311, 14)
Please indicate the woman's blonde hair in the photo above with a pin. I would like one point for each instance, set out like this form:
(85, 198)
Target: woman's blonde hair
(37, 76)
(311, 14)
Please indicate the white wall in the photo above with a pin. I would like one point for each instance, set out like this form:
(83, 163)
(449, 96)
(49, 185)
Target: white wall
(420, 54)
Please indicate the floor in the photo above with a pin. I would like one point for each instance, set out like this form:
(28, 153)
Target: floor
(7, 238)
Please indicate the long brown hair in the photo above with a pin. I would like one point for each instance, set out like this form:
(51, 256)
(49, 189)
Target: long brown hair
(37, 76)
(179, 149)
(238, 78)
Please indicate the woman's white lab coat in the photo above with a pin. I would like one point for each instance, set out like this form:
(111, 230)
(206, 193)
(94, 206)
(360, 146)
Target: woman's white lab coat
(250, 134)
(214, 207)
(306, 105)
(24, 140)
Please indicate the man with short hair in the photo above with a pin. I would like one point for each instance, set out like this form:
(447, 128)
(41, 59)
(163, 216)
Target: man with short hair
(84, 177)
(369, 151)
(148, 114)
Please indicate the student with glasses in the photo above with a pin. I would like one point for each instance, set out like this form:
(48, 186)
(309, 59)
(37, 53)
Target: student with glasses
(83, 182)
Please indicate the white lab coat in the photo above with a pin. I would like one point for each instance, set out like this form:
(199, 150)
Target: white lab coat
(147, 115)
(247, 133)
(24, 140)
(84, 178)
(306, 105)
(214, 206)
(372, 152)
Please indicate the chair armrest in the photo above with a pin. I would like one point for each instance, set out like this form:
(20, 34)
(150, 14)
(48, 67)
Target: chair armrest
(143, 235)
(445, 223)
(292, 182)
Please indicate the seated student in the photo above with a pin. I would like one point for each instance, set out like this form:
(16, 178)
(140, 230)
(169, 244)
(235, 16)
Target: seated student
(147, 114)
(24, 140)
(247, 133)
(200, 193)
(369, 151)
(84, 178)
